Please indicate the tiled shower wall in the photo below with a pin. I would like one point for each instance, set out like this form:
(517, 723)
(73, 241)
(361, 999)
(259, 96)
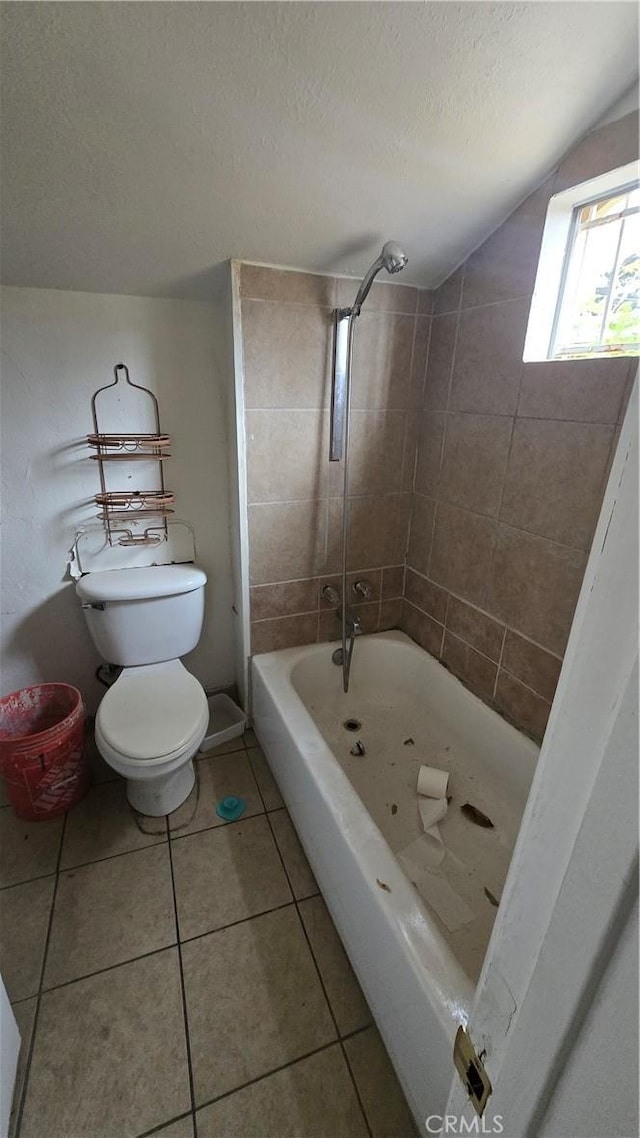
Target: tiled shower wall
(512, 464)
(294, 493)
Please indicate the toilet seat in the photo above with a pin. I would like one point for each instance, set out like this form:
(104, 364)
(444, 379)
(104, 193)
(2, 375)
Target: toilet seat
(153, 713)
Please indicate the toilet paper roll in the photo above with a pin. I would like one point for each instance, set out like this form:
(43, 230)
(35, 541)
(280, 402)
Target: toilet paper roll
(432, 782)
(432, 811)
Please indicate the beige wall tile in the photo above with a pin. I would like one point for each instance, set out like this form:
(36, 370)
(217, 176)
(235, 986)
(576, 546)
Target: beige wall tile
(535, 586)
(430, 444)
(287, 355)
(421, 533)
(488, 359)
(287, 455)
(411, 437)
(589, 391)
(287, 540)
(425, 595)
(604, 149)
(283, 599)
(330, 628)
(505, 266)
(475, 456)
(384, 296)
(419, 363)
(528, 711)
(425, 301)
(477, 628)
(476, 671)
(377, 530)
(555, 479)
(392, 581)
(462, 554)
(260, 282)
(422, 628)
(447, 298)
(285, 632)
(440, 361)
(390, 614)
(382, 353)
(536, 668)
(376, 450)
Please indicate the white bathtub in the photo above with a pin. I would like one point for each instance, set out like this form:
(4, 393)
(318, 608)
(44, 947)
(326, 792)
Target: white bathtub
(352, 812)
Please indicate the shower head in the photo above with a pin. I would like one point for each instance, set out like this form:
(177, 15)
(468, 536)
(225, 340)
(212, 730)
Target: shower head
(392, 258)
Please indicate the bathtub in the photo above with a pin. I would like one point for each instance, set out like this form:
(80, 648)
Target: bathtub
(354, 813)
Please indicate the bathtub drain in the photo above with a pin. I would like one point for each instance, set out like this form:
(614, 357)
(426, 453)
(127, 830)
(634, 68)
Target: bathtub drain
(352, 725)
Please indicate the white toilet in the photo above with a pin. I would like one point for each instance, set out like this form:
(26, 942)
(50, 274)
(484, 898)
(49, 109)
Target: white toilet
(152, 720)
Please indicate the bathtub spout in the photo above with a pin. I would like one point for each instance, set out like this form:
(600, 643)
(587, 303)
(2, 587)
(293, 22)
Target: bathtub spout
(354, 627)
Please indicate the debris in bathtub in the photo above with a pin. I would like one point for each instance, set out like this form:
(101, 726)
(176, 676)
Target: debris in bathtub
(358, 748)
(394, 808)
(383, 885)
(489, 895)
(409, 742)
(476, 816)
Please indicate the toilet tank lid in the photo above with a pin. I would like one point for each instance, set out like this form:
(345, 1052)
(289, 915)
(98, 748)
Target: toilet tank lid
(138, 584)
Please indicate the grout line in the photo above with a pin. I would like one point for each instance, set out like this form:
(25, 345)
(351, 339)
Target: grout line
(110, 967)
(167, 1122)
(495, 684)
(185, 1012)
(320, 979)
(36, 1016)
(111, 857)
(164, 948)
(15, 884)
(276, 1070)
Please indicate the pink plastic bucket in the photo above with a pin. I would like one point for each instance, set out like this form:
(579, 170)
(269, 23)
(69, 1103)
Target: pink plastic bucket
(42, 756)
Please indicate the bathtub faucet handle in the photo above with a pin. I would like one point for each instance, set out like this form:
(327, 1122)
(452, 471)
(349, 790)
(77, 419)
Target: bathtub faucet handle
(331, 595)
(363, 589)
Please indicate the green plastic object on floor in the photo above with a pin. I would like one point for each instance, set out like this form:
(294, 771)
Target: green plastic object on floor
(230, 808)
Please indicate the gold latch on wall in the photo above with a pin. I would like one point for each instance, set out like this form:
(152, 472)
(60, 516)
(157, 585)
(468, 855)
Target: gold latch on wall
(471, 1071)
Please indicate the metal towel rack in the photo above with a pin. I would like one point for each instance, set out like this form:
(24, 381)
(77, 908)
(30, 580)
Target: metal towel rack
(118, 505)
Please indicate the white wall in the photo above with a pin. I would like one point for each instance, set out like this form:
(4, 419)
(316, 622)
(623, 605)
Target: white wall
(57, 348)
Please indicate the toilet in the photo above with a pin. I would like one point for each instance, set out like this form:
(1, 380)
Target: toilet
(152, 720)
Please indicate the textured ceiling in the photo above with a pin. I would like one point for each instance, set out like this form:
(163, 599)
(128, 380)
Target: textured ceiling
(145, 143)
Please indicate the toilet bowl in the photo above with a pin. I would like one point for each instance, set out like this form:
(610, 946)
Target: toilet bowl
(152, 720)
(148, 728)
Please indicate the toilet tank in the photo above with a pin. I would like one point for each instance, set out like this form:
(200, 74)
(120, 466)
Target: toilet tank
(144, 616)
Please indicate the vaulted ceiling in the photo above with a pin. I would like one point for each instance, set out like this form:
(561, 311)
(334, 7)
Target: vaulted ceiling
(145, 143)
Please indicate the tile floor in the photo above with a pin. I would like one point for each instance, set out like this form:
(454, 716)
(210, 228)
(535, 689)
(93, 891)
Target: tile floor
(183, 977)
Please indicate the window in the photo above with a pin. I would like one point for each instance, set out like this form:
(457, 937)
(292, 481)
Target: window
(587, 296)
